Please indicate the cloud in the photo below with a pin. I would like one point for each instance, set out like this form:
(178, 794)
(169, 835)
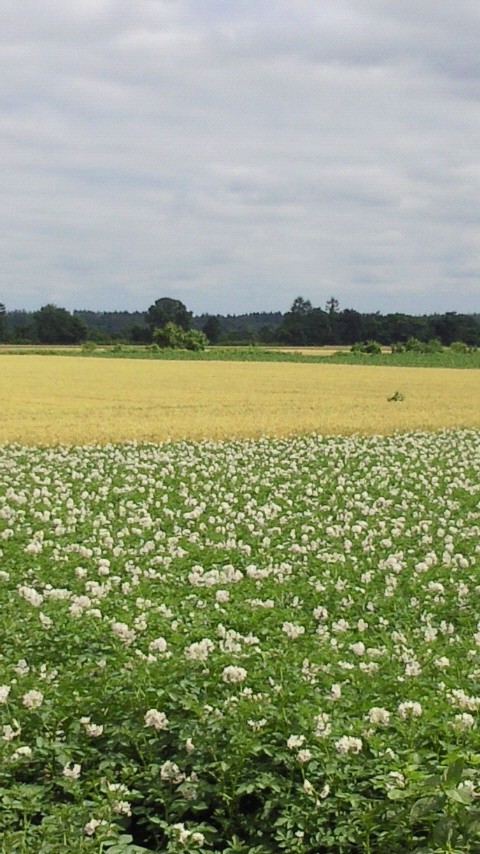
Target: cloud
(235, 155)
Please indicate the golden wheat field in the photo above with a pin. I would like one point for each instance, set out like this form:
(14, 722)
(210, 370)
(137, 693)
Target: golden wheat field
(51, 400)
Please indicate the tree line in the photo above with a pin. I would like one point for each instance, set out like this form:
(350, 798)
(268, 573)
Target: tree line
(302, 325)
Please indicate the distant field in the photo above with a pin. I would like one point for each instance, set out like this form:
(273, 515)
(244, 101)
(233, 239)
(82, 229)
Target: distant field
(47, 400)
(446, 358)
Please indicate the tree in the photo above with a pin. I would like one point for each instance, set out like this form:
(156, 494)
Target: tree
(174, 337)
(139, 334)
(301, 306)
(3, 312)
(169, 336)
(332, 309)
(211, 328)
(54, 325)
(166, 310)
(332, 305)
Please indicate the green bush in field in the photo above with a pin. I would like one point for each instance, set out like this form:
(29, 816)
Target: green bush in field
(461, 347)
(173, 337)
(414, 345)
(370, 348)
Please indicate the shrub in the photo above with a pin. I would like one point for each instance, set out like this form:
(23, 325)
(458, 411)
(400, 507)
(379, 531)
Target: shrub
(195, 340)
(414, 345)
(371, 348)
(459, 347)
(174, 337)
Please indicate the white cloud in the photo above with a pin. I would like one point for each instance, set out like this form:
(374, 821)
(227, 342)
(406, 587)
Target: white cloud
(235, 155)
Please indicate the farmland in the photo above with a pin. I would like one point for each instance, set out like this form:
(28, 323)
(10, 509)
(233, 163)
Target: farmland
(246, 644)
(49, 399)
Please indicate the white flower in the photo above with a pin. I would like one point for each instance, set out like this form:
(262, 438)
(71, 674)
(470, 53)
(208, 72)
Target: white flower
(324, 792)
(72, 771)
(158, 645)
(122, 807)
(304, 755)
(295, 741)
(123, 632)
(412, 668)
(377, 715)
(409, 709)
(340, 626)
(157, 720)
(461, 700)
(199, 650)
(22, 667)
(335, 693)
(463, 721)
(323, 728)
(397, 779)
(31, 596)
(32, 699)
(119, 788)
(170, 771)
(348, 744)
(358, 648)
(292, 630)
(4, 692)
(189, 745)
(232, 675)
(308, 788)
(257, 725)
(21, 751)
(94, 730)
(11, 732)
(184, 836)
(91, 826)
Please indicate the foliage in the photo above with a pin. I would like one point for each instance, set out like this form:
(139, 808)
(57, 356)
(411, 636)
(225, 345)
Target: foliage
(54, 325)
(167, 310)
(174, 337)
(211, 329)
(242, 647)
(368, 347)
(433, 345)
(3, 313)
(303, 324)
(460, 347)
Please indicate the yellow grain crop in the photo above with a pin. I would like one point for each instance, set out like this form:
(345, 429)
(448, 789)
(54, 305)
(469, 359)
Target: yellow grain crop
(49, 399)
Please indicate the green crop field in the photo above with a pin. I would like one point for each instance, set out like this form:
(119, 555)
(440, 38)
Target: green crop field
(245, 646)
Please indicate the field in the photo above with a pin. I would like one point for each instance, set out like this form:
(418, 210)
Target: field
(48, 399)
(249, 646)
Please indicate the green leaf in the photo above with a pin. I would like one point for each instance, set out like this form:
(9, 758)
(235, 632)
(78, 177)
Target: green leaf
(443, 830)
(427, 806)
(472, 828)
(454, 772)
(397, 794)
(460, 796)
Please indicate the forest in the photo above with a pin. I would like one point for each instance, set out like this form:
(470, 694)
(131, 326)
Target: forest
(303, 324)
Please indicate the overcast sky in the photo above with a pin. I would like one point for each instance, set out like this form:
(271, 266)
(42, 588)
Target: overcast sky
(237, 153)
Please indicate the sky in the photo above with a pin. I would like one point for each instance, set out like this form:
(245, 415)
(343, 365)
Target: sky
(235, 154)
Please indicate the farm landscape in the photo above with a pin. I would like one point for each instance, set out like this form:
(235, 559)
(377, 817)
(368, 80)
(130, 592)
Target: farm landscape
(240, 428)
(239, 607)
